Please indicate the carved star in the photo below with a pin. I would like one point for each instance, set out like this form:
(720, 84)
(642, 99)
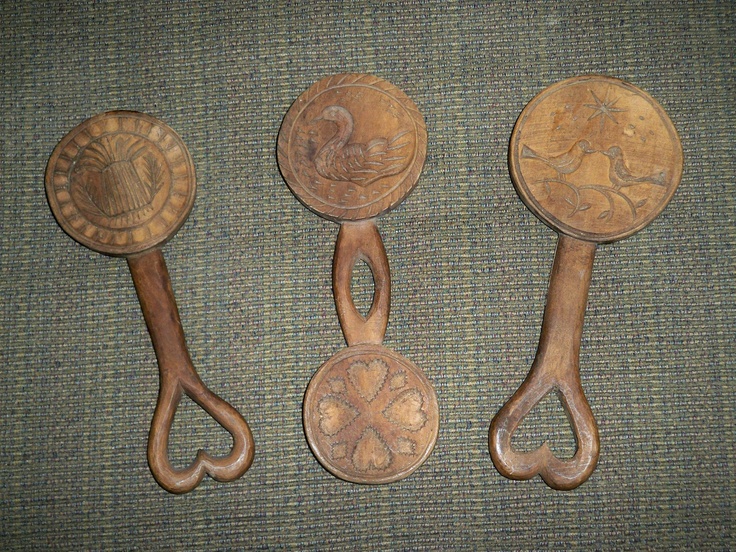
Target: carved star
(604, 108)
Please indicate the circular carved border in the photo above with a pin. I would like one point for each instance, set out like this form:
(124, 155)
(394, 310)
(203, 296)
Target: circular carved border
(121, 183)
(595, 157)
(298, 166)
(370, 415)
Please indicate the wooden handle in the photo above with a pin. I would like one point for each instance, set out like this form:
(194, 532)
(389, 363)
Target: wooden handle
(555, 368)
(177, 376)
(361, 241)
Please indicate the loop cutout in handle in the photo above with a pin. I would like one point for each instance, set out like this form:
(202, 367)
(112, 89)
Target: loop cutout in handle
(558, 474)
(223, 469)
(177, 376)
(555, 368)
(361, 241)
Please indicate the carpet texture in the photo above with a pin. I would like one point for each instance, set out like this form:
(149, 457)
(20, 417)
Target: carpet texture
(251, 270)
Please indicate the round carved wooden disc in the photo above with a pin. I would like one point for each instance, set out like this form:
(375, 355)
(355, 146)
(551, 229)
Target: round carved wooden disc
(595, 158)
(121, 183)
(370, 415)
(352, 147)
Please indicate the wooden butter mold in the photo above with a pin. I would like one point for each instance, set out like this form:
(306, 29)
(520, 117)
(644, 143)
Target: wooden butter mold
(596, 159)
(350, 149)
(122, 183)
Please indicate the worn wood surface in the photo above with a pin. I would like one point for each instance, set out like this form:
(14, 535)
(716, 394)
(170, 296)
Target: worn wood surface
(596, 159)
(352, 146)
(361, 241)
(122, 183)
(370, 415)
(350, 149)
(555, 368)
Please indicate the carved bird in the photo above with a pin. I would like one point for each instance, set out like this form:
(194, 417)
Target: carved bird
(565, 163)
(360, 164)
(620, 175)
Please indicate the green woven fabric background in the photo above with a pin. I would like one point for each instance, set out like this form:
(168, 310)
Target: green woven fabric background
(470, 264)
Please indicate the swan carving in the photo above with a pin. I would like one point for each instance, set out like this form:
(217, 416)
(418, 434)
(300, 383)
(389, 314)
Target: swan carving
(361, 164)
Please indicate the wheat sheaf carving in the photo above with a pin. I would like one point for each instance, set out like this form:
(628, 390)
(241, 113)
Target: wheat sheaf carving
(111, 183)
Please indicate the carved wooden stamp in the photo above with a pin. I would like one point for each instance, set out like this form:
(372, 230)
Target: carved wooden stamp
(368, 415)
(596, 159)
(122, 183)
(351, 148)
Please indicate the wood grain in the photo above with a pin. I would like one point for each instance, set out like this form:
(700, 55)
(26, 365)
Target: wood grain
(177, 376)
(555, 369)
(596, 159)
(351, 148)
(122, 183)
(370, 415)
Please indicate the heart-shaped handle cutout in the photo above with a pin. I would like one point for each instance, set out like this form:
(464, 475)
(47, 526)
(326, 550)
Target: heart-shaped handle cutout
(227, 468)
(558, 474)
(548, 423)
(177, 376)
(555, 368)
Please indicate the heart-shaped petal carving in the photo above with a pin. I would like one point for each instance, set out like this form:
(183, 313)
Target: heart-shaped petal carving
(406, 410)
(368, 379)
(371, 452)
(335, 414)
